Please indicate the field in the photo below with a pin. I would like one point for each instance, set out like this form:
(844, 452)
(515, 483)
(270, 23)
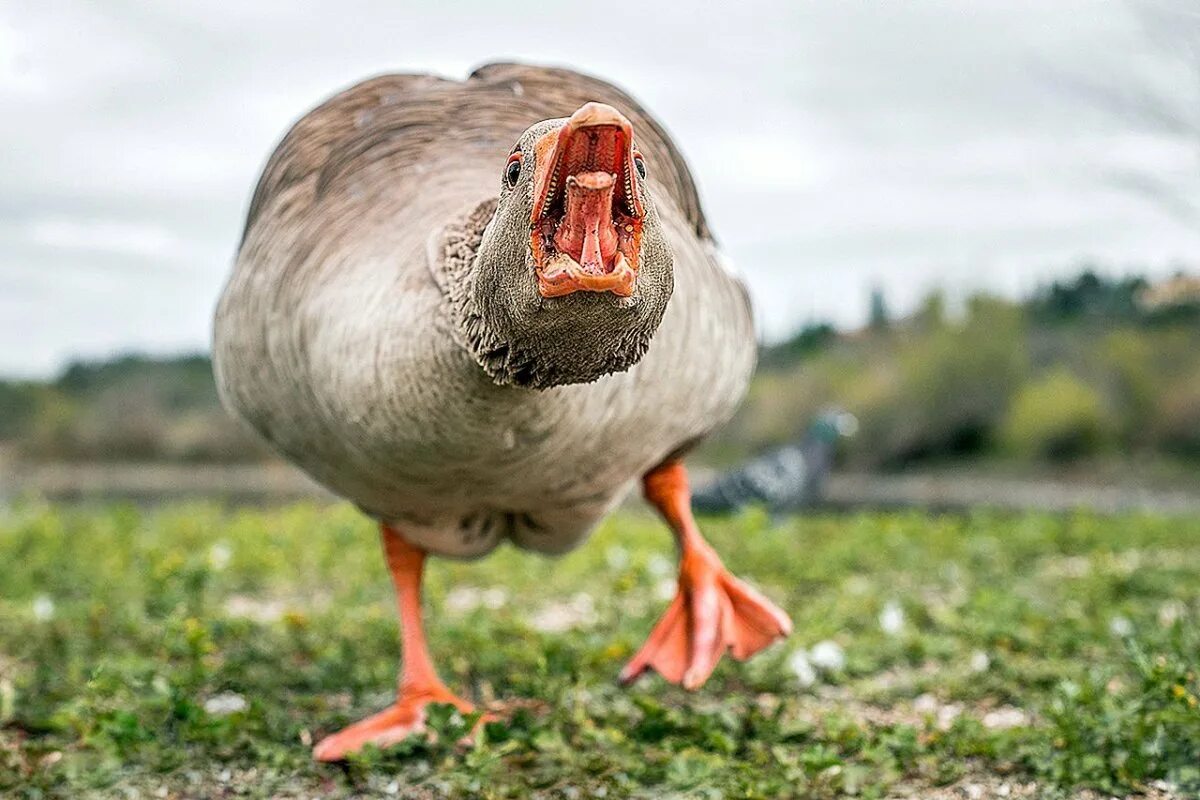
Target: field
(197, 651)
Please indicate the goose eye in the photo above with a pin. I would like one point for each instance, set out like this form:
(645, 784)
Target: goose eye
(513, 170)
(639, 165)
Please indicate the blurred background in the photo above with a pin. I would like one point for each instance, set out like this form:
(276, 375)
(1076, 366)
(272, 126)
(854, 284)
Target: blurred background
(975, 230)
(972, 235)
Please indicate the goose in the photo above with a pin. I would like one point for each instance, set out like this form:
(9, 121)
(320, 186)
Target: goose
(482, 310)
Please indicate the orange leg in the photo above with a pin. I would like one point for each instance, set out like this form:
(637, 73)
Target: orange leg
(419, 683)
(712, 610)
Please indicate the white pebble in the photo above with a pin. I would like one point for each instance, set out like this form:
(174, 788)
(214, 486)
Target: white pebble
(257, 609)
(1171, 612)
(925, 704)
(947, 714)
(980, 661)
(658, 566)
(943, 714)
(463, 599)
(43, 608)
(891, 619)
(617, 557)
(828, 655)
(578, 612)
(219, 556)
(224, 704)
(1004, 718)
(802, 668)
(494, 598)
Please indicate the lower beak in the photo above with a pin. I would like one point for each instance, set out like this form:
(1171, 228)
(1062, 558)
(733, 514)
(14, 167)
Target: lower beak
(587, 232)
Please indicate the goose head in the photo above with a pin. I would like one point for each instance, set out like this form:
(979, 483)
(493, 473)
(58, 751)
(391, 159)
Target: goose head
(573, 271)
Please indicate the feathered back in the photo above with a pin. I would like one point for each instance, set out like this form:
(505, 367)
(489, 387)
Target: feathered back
(414, 120)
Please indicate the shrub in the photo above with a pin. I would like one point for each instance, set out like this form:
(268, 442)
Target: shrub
(1127, 361)
(812, 338)
(132, 409)
(1057, 417)
(19, 406)
(1175, 426)
(945, 392)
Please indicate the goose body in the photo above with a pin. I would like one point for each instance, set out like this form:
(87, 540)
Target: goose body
(478, 341)
(337, 337)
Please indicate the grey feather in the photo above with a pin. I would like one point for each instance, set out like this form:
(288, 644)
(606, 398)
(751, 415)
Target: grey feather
(353, 335)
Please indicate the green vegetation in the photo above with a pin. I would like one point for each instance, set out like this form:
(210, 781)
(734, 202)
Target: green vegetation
(1082, 369)
(984, 384)
(194, 651)
(131, 409)
(1057, 416)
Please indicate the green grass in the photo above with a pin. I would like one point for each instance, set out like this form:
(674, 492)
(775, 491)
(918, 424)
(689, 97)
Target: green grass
(1060, 653)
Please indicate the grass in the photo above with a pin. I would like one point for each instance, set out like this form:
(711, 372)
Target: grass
(195, 651)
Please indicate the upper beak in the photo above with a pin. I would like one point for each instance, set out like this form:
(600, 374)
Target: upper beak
(573, 144)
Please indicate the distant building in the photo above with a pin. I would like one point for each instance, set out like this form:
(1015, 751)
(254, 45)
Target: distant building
(1178, 291)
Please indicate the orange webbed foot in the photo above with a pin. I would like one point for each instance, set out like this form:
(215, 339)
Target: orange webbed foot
(712, 612)
(390, 726)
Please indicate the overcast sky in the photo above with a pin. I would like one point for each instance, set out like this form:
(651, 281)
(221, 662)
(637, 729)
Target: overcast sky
(837, 145)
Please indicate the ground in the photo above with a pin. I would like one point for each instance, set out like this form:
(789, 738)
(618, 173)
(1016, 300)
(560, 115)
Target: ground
(197, 651)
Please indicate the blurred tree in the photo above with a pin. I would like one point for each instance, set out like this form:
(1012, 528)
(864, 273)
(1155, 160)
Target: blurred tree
(935, 388)
(1175, 424)
(129, 408)
(19, 404)
(1128, 366)
(810, 339)
(942, 393)
(879, 319)
(1088, 296)
(1057, 417)
(932, 312)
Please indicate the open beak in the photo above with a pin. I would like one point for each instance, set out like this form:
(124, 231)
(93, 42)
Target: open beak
(586, 226)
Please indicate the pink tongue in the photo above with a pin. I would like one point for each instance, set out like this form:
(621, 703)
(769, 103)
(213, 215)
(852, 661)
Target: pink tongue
(586, 232)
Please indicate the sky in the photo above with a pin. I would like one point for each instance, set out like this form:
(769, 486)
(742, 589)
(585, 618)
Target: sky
(838, 146)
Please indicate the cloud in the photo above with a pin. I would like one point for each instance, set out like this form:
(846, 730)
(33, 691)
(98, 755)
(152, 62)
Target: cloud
(100, 235)
(837, 146)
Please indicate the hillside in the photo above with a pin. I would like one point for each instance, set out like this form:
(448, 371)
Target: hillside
(1087, 369)
(133, 408)
(1083, 370)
